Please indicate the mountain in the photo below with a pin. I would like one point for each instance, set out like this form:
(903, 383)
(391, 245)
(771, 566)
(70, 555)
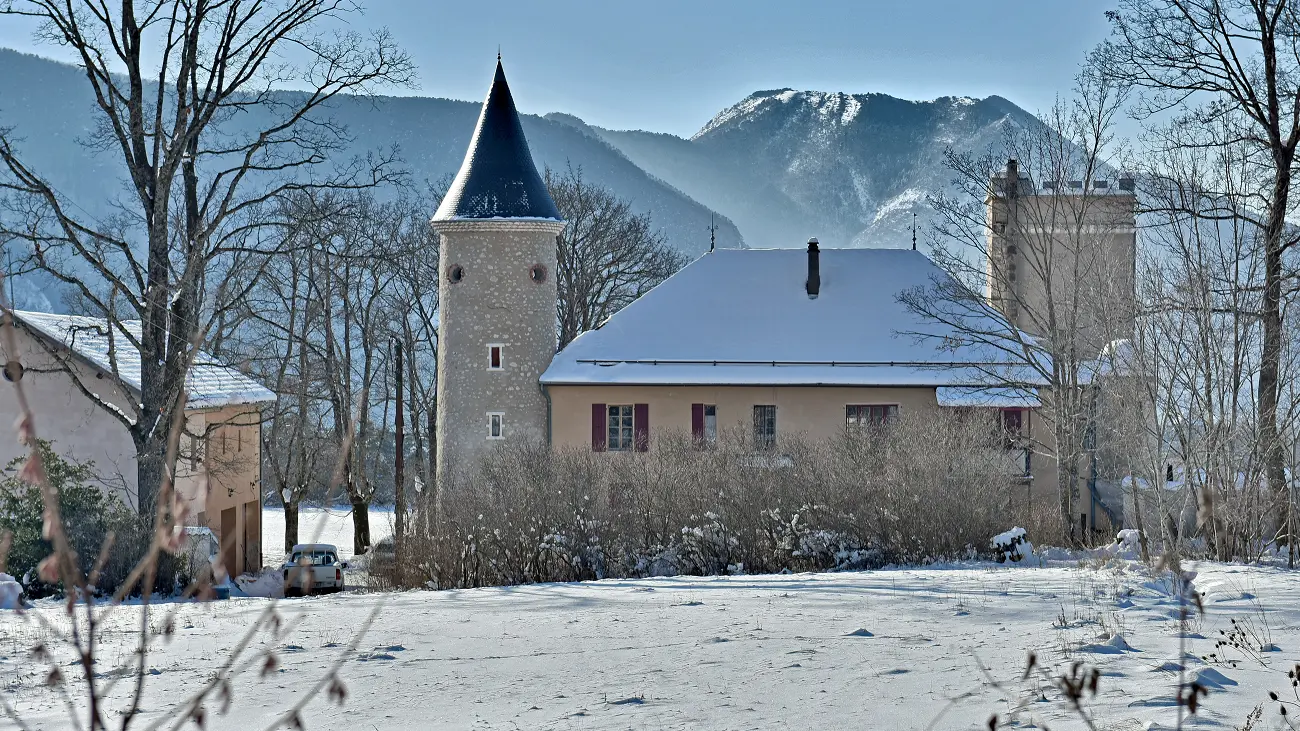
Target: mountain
(49, 107)
(783, 165)
(850, 169)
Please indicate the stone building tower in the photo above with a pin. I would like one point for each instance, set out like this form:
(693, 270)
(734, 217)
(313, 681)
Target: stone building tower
(1070, 242)
(497, 299)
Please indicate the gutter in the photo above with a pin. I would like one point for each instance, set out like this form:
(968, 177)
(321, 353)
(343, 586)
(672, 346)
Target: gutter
(546, 394)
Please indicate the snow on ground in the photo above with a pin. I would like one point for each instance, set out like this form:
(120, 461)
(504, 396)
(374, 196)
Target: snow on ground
(320, 525)
(881, 649)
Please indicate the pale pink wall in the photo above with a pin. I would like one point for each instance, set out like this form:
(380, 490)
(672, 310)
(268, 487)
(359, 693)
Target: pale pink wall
(78, 428)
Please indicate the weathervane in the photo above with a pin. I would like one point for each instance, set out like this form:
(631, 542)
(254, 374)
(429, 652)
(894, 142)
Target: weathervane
(913, 232)
(713, 230)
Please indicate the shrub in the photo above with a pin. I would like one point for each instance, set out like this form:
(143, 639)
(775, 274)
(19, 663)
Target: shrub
(926, 487)
(89, 515)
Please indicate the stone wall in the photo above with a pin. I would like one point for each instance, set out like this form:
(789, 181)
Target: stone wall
(490, 295)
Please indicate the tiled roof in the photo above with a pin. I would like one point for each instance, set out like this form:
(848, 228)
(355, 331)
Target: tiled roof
(498, 179)
(211, 384)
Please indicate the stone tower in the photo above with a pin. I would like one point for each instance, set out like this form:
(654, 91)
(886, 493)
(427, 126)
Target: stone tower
(497, 299)
(1070, 242)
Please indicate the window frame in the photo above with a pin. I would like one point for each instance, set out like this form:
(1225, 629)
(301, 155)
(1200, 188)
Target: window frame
(888, 413)
(766, 440)
(624, 440)
(1012, 439)
(500, 418)
(500, 353)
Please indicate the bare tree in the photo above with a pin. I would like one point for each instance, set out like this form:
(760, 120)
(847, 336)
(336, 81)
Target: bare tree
(413, 304)
(1035, 280)
(359, 275)
(1228, 70)
(1199, 352)
(608, 255)
(274, 330)
(172, 80)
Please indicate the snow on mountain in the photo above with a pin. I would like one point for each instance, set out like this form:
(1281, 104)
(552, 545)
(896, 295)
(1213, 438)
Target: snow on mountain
(850, 169)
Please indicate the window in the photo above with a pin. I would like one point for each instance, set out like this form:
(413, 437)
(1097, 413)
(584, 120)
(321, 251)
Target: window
(704, 424)
(857, 416)
(494, 358)
(620, 431)
(495, 428)
(313, 558)
(764, 427)
(1012, 426)
(196, 446)
(455, 273)
(14, 371)
(537, 273)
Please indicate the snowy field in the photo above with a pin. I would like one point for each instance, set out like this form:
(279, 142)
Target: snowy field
(321, 525)
(873, 650)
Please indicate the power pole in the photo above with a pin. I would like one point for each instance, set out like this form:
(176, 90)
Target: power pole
(399, 508)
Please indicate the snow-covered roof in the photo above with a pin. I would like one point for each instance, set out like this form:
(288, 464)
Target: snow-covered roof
(994, 397)
(743, 317)
(498, 179)
(211, 384)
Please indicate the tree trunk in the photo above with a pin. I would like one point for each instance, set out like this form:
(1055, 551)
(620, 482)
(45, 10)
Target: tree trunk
(290, 525)
(149, 475)
(1137, 515)
(360, 527)
(1271, 355)
(399, 449)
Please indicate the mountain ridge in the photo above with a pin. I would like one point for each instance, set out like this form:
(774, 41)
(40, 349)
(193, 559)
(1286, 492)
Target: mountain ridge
(771, 170)
(50, 108)
(851, 169)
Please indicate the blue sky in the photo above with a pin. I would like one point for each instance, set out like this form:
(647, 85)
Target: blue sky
(670, 65)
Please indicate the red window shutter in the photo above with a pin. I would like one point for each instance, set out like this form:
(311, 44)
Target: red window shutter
(641, 427)
(598, 428)
(697, 422)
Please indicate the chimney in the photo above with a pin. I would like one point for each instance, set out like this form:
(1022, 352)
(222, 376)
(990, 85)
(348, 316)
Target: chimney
(814, 283)
(1013, 177)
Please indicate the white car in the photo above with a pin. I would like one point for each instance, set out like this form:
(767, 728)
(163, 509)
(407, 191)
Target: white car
(313, 567)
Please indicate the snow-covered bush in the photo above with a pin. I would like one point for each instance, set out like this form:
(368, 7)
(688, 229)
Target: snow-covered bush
(927, 487)
(1012, 545)
(11, 592)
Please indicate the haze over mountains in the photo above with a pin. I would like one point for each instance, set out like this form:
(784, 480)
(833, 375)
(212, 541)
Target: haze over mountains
(772, 170)
(850, 169)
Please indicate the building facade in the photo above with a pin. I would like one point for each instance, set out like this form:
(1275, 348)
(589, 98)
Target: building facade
(773, 344)
(218, 468)
(1062, 257)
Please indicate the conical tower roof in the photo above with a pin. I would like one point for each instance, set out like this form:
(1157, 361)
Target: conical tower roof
(498, 178)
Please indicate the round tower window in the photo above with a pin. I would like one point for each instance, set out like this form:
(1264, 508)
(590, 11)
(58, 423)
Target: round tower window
(537, 273)
(455, 273)
(13, 371)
